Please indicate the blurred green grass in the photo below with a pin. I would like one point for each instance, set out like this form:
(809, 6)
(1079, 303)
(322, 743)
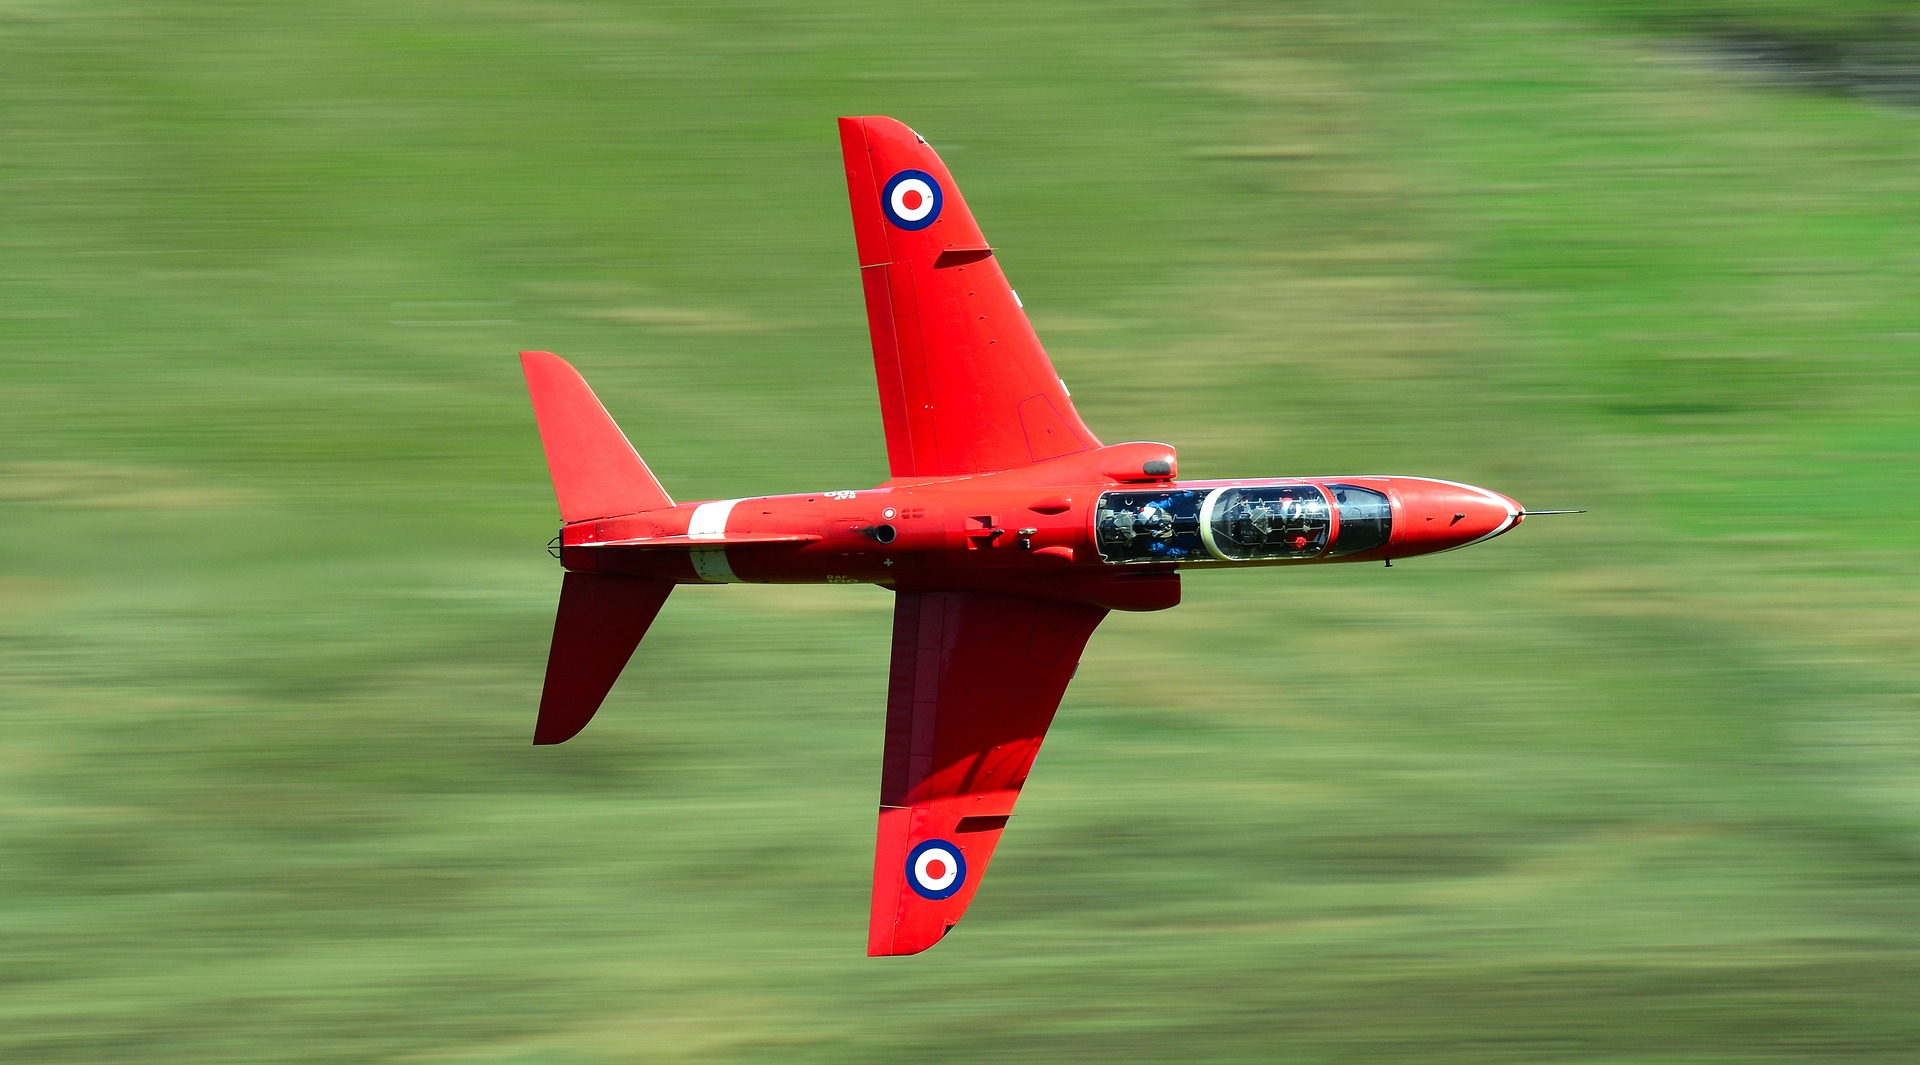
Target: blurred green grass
(1637, 786)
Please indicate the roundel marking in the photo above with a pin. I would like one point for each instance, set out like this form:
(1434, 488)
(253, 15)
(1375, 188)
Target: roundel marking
(935, 869)
(912, 199)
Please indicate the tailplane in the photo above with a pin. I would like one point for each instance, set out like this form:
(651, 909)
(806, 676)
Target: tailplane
(602, 616)
(596, 472)
(601, 620)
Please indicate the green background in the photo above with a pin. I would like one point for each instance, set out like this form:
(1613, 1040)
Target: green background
(1638, 786)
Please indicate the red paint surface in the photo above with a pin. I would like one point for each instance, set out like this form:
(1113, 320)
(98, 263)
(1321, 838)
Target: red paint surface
(596, 473)
(954, 353)
(992, 552)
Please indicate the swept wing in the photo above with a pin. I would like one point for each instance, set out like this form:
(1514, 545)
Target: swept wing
(965, 386)
(976, 678)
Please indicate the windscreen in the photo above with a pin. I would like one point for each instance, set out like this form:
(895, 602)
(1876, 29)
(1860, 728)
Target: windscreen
(1366, 520)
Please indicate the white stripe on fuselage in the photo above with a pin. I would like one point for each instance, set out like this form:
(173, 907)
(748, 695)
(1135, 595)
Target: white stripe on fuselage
(711, 564)
(709, 522)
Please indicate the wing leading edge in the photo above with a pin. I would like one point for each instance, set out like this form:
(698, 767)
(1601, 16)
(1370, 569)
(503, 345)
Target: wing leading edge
(976, 679)
(965, 386)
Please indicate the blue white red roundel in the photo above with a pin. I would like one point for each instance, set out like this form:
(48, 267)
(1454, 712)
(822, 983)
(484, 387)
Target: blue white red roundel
(935, 869)
(911, 199)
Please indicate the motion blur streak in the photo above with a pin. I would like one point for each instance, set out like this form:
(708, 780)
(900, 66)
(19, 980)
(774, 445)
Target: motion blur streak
(273, 600)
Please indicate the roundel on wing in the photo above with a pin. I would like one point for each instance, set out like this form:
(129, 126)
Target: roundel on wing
(935, 869)
(911, 199)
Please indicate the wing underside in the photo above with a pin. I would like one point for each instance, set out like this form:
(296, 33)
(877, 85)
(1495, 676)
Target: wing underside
(975, 681)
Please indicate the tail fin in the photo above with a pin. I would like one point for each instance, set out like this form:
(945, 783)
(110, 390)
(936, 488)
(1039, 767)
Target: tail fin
(596, 472)
(601, 619)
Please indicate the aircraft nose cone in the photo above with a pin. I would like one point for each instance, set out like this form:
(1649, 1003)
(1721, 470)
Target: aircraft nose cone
(1442, 515)
(1476, 518)
(1519, 512)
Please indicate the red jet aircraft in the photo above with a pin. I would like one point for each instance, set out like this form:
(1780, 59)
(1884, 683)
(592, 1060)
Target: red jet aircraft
(1006, 532)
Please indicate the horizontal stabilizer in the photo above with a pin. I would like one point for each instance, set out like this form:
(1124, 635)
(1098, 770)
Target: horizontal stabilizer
(596, 472)
(601, 619)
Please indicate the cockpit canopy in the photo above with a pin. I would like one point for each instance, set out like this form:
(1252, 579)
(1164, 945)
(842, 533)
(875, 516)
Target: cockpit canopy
(1159, 525)
(1366, 519)
(1277, 521)
(1240, 523)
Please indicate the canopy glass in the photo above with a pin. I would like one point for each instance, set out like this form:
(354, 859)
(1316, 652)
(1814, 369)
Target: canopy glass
(1240, 523)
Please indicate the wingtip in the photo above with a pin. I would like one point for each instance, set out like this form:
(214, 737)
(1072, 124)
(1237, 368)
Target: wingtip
(892, 946)
(869, 122)
(853, 128)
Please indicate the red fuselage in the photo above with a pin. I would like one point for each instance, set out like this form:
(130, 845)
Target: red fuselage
(1007, 532)
(1095, 529)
